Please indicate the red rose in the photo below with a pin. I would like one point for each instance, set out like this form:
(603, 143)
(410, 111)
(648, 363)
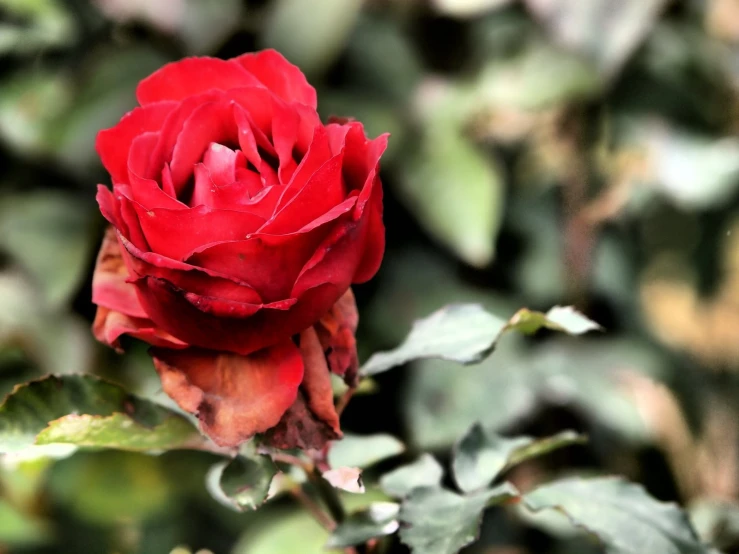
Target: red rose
(239, 222)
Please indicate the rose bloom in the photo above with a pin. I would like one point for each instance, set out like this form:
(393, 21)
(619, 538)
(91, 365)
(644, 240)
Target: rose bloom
(238, 222)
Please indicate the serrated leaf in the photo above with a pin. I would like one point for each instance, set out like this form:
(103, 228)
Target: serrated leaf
(466, 333)
(378, 520)
(621, 514)
(82, 410)
(360, 451)
(459, 332)
(438, 521)
(242, 483)
(480, 456)
(424, 472)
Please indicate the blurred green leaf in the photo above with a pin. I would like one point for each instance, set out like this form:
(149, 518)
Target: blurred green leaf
(49, 233)
(424, 472)
(717, 522)
(109, 487)
(310, 34)
(467, 8)
(461, 332)
(242, 483)
(621, 514)
(207, 23)
(605, 32)
(30, 104)
(444, 400)
(455, 191)
(378, 520)
(695, 171)
(437, 521)
(481, 456)
(84, 410)
(363, 451)
(107, 85)
(19, 529)
(47, 23)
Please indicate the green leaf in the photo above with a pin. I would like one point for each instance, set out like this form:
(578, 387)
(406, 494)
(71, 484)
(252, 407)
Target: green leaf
(462, 333)
(454, 190)
(621, 514)
(206, 24)
(310, 34)
(49, 234)
(467, 8)
(481, 455)
(119, 431)
(378, 520)
(424, 472)
(86, 411)
(108, 487)
(560, 318)
(466, 333)
(438, 521)
(600, 30)
(19, 529)
(363, 451)
(242, 483)
(444, 400)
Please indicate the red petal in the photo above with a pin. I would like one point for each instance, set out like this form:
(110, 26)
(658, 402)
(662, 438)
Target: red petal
(317, 381)
(109, 326)
(269, 264)
(233, 396)
(373, 248)
(192, 76)
(279, 75)
(336, 332)
(185, 278)
(177, 233)
(323, 191)
(169, 308)
(109, 286)
(210, 122)
(113, 144)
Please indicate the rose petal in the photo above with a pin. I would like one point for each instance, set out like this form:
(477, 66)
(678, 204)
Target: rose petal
(176, 233)
(317, 380)
(234, 396)
(270, 264)
(192, 76)
(169, 308)
(210, 122)
(279, 75)
(109, 286)
(373, 247)
(300, 428)
(323, 191)
(113, 144)
(184, 277)
(336, 332)
(110, 325)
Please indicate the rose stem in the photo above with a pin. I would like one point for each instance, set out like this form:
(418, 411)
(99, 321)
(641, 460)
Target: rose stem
(344, 400)
(314, 509)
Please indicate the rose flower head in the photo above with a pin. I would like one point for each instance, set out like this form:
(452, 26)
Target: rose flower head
(238, 222)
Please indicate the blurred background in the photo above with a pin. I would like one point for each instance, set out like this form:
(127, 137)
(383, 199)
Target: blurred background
(543, 152)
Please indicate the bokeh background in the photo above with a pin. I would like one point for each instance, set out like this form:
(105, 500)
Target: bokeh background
(543, 152)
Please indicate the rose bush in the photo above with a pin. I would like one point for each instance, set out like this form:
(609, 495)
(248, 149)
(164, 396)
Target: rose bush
(238, 223)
